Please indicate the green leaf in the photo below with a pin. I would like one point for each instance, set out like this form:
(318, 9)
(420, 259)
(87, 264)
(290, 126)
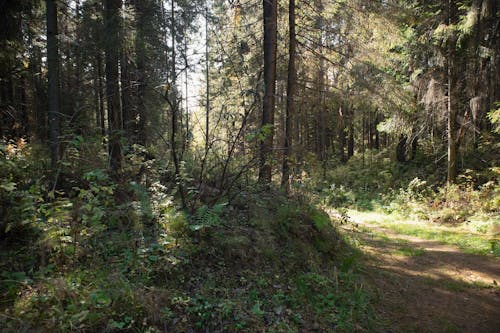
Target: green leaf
(100, 299)
(9, 187)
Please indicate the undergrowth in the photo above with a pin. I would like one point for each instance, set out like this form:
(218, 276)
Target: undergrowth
(415, 191)
(84, 259)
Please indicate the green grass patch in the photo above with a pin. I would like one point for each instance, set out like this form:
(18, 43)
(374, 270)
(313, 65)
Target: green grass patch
(459, 285)
(409, 251)
(469, 242)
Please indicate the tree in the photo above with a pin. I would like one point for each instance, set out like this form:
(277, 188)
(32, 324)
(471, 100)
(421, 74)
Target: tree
(207, 78)
(270, 10)
(53, 81)
(113, 24)
(290, 98)
(452, 67)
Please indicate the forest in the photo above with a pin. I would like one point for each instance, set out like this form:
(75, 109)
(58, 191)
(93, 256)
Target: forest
(249, 166)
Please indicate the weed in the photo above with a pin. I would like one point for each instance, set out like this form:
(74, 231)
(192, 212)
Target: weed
(410, 251)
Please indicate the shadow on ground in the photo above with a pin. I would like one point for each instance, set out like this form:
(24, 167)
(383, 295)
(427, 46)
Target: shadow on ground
(425, 286)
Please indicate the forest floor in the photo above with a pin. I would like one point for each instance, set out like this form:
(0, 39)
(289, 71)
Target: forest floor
(426, 285)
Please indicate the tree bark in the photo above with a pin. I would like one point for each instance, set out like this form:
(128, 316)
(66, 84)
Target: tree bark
(452, 97)
(172, 98)
(53, 81)
(290, 101)
(141, 60)
(101, 94)
(270, 10)
(39, 96)
(401, 149)
(350, 142)
(128, 118)
(113, 47)
(207, 79)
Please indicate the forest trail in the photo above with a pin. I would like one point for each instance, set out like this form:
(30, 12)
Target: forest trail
(426, 286)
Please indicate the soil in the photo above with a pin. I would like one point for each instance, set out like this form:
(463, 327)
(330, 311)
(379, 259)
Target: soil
(426, 286)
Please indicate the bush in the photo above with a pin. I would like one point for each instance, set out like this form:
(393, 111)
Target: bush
(19, 189)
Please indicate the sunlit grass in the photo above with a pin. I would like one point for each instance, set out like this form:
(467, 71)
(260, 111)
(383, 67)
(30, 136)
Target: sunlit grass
(469, 242)
(459, 285)
(409, 251)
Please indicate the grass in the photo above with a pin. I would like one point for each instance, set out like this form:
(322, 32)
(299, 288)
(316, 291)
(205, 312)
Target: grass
(469, 242)
(409, 251)
(459, 285)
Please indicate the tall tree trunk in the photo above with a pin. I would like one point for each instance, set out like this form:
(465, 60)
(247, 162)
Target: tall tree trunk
(401, 149)
(270, 10)
(370, 130)
(81, 118)
(363, 144)
(377, 133)
(126, 93)
(97, 114)
(207, 79)
(101, 94)
(113, 47)
(174, 106)
(39, 96)
(53, 80)
(452, 96)
(350, 142)
(321, 85)
(290, 100)
(24, 130)
(141, 60)
(342, 130)
(186, 87)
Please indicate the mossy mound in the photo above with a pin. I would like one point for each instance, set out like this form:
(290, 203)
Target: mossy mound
(277, 265)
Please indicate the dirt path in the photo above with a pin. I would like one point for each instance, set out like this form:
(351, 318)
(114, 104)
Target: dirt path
(425, 286)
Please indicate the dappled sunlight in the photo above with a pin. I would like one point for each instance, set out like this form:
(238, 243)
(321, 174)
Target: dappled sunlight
(426, 233)
(413, 301)
(249, 166)
(439, 284)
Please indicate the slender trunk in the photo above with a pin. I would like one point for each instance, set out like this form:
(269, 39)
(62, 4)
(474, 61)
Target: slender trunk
(452, 98)
(97, 110)
(342, 135)
(186, 87)
(141, 60)
(290, 101)
(321, 87)
(174, 106)
(207, 79)
(270, 10)
(126, 92)
(39, 96)
(53, 80)
(113, 47)
(370, 130)
(401, 149)
(363, 145)
(414, 147)
(81, 117)
(101, 95)
(25, 128)
(350, 142)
